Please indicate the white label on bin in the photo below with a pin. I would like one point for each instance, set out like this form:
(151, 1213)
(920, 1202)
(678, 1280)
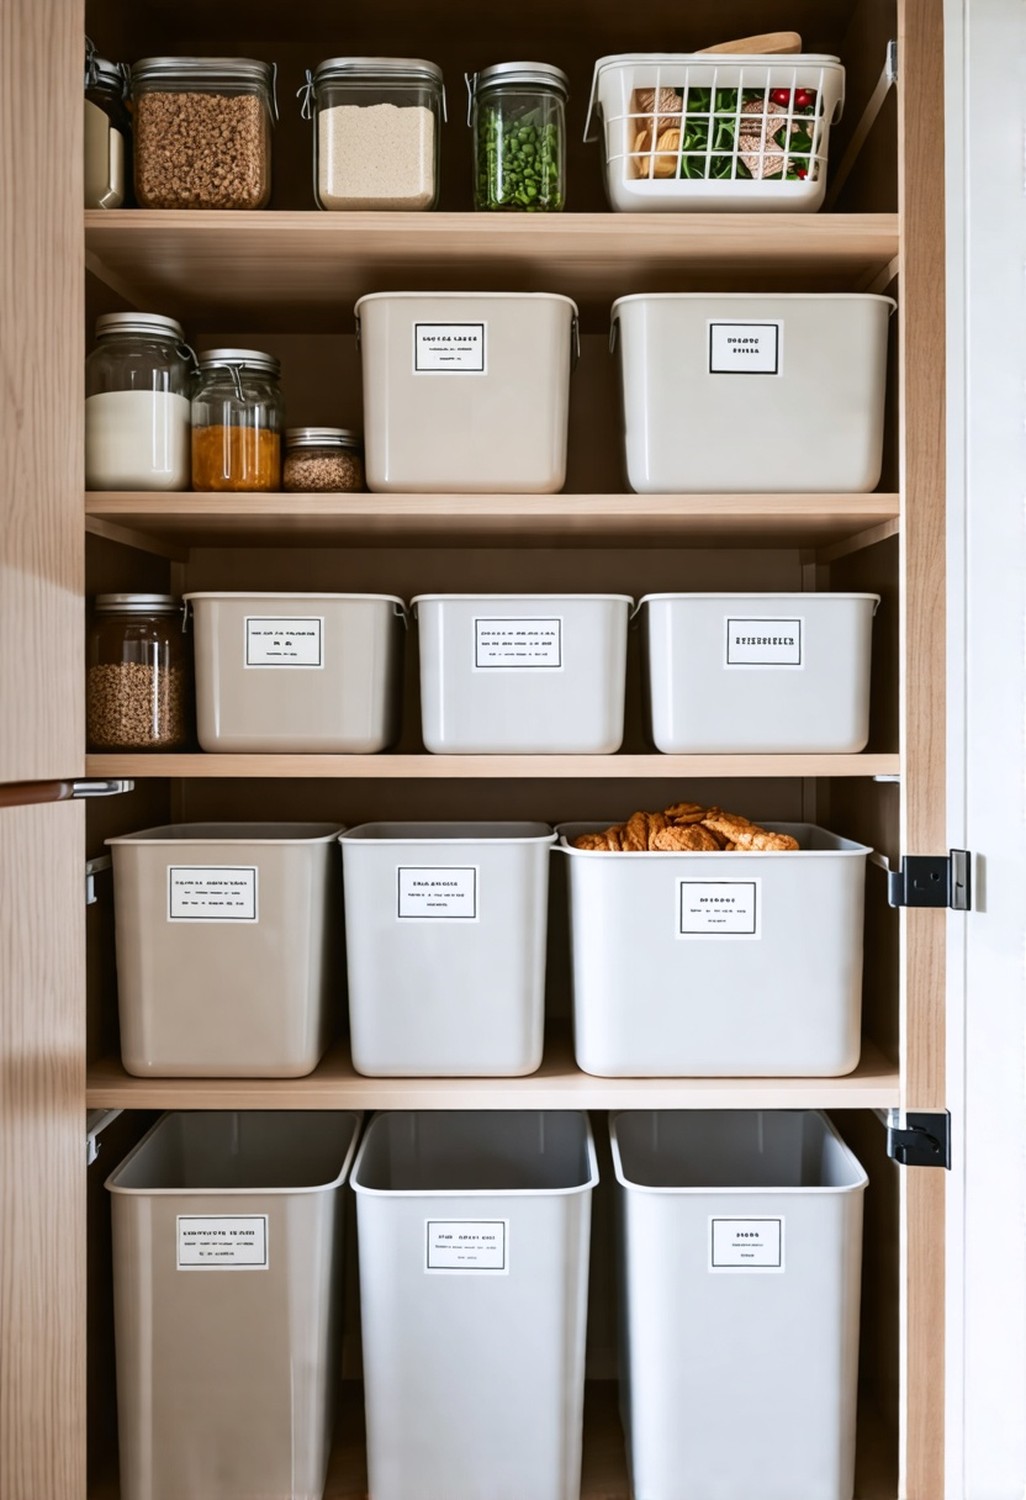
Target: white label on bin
(467, 1246)
(765, 643)
(533, 642)
(236, 1244)
(437, 892)
(449, 348)
(211, 893)
(745, 348)
(746, 1245)
(277, 641)
(718, 908)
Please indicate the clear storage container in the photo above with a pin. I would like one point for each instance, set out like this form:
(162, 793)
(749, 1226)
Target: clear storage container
(203, 132)
(758, 674)
(228, 948)
(238, 414)
(466, 391)
(692, 131)
(745, 393)
(138, 382)
(740, 1250)
(322, 459)
(445, 946)
(522, 674)
(473, 1240)
(294, 674)
(517, 112)
(228, 1232)
(377, 131)
(138, 674)
(107, 129)
(726, 964)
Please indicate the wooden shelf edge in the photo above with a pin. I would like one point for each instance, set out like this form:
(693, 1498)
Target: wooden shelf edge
(558, 1084)
(423, 767)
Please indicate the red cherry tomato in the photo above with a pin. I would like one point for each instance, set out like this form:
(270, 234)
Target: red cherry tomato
(804, 97)
(801, 172)
(781, 96)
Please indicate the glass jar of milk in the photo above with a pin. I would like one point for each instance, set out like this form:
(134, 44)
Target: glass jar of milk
(138, 386)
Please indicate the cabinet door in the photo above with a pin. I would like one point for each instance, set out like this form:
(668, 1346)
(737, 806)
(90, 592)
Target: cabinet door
(42, 1152)
(41, 353)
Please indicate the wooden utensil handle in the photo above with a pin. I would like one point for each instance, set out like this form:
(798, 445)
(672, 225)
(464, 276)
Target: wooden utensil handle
(767, 42)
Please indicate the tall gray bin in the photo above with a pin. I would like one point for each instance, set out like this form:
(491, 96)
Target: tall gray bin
(227, 1300)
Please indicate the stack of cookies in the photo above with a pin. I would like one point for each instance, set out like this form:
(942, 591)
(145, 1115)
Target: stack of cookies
(688, 828)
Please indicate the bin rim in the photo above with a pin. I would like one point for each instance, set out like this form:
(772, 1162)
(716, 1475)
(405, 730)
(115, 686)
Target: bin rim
(782, 594)
(846, 848)
(717, 59)
(231, 833)
(419, 833)
(287, 594)
(475, 1194)
(526, 597)
(751, 297)
(859, 1173)
(112, 1186)
(454, 296)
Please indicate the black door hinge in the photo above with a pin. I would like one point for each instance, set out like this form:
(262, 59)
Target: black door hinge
(932, 880)
(919, 1140)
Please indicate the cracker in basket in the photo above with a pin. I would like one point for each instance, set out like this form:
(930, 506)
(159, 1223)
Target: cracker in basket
(640, 830)
(691, 838)
(686, 812)
(591, 841)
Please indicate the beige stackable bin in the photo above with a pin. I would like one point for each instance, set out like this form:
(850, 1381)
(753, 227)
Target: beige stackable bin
(228, 1239)
(229, 950)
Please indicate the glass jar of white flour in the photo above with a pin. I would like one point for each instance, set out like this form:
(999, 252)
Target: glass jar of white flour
(138, 385)
(376, 132)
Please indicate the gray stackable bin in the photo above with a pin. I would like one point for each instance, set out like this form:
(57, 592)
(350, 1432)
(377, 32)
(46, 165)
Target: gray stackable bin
(228, 1245)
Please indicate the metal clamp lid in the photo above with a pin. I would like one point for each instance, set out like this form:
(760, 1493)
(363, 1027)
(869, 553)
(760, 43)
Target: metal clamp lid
(101, 73)
(390, 70)
(535, 74)
(136, 604)
(155, 324)
(322, 437)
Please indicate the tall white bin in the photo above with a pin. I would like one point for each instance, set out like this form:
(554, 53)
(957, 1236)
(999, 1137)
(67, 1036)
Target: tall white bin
(740, 1258)
(228, 1241)
(473, 1242)
(445, 945)
(747, 393)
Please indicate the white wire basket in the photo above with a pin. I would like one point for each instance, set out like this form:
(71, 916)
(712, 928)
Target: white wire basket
(686, 132)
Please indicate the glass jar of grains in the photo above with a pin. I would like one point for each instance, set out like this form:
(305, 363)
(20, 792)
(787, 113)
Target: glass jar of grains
(107, 131)
(322, 458)
(237, 420)
(376, 132)
(138, 384)
(517, 112)
(203, 132)
(138, 683)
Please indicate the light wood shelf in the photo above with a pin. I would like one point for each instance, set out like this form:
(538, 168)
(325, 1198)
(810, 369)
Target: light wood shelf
(169, 523)
(604, 1463)
(558, 1084)
(306, 269)
(388, 767)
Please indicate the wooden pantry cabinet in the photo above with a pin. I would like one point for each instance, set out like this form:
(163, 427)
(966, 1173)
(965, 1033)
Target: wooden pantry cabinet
(285, 279)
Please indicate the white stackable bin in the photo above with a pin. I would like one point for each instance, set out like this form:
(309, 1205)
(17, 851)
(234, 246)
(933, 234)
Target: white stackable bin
(746, 392)
(522, 674)
(446, 929)
(740, 1255)
(473, 1240)
(228, 943)
(297, 673)
(758, 674)
(466, 391)
(730, 964)
(694, 142)
(228, 1241)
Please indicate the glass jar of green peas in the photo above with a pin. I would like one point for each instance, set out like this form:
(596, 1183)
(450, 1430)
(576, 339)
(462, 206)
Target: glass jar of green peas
(517, 112)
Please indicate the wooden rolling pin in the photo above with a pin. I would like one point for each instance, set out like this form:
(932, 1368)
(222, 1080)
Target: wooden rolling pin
(768, 42)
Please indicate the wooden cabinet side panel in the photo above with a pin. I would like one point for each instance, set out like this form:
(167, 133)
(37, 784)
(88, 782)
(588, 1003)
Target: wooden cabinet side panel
(41, 315)
(42, 1153)
(923, 714)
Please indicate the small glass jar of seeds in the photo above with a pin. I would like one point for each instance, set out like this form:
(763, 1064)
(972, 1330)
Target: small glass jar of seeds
(138, 679)
(517, 112)
(203, 132)
(322, 459)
